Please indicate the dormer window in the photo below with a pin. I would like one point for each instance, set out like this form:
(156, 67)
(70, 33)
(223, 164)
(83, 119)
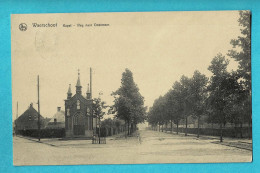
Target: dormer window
(78, 104)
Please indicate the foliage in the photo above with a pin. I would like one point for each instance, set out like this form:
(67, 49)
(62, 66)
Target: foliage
(98, 107)
(128, 102)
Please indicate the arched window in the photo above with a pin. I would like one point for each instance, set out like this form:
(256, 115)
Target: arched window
(78, 104)
(88, 111)
(68, 112)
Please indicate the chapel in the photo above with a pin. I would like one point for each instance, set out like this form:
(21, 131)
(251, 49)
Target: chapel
(78, 112)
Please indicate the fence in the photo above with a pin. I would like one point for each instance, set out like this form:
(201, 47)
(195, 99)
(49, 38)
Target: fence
(236, 132)
(106, 131)
(95, 140)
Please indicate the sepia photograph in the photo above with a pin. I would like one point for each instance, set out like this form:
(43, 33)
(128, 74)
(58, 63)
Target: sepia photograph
(131, 88)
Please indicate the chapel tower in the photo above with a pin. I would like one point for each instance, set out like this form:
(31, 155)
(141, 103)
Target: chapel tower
(78, 112)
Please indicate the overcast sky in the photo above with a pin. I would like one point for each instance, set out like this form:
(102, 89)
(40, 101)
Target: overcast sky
(157, 47)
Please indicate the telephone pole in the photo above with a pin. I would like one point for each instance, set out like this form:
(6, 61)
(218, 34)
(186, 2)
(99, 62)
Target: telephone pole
(17, 111)
(15, 121)
(39, 125)
(90, 88)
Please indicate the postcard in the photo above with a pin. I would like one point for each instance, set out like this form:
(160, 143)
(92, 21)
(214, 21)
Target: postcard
(131, 88)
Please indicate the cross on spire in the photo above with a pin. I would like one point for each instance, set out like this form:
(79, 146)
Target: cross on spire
(78, 81)
(78, 85)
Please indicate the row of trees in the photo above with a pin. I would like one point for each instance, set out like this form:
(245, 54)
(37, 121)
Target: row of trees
(224, 97)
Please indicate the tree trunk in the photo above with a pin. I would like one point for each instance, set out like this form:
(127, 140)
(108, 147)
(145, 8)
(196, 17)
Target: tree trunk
(162, 127)
(171, 127)
(131, 128)
(241, 130)
(198, 127)
(249, 130)
(99, 133)
(177, 127)
(221, 133)
(128, 128)
(186, 126)
(125, 129)
(235, 129)
(159, 127)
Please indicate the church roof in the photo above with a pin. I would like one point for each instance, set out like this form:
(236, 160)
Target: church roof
(78, 97)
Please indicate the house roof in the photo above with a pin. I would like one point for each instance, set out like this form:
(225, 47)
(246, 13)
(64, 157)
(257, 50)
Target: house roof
(60, 120)
(59, 116)
(29, 114)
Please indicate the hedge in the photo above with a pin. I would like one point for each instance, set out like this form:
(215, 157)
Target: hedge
(44, 133)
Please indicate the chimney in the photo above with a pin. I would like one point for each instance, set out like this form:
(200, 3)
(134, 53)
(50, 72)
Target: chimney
(58, 109)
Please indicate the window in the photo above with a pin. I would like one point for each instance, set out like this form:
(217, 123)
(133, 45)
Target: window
(88, 111)
(78, 104)
(68, 112)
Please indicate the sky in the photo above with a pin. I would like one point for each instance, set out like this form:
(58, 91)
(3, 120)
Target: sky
(158, 47)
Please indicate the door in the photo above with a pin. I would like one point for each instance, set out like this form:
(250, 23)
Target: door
(78, 125)
(79, 130)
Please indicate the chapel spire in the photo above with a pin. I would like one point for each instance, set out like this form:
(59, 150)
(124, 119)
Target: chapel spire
(78, 85)
(69, 94)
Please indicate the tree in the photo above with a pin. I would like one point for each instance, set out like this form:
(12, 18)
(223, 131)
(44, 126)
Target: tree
(241, 53)
(98, 113)
(198, 95)
(175, 105)
(219, 90)
(170, 109)
(128, 102)
(184, 98)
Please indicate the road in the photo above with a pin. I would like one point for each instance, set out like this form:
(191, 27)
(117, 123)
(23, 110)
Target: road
(151, 147)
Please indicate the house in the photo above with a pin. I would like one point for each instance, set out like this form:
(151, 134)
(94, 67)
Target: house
(29, 120)
(57, 121)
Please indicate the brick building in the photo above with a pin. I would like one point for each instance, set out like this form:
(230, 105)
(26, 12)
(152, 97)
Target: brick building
(29, 120)
(78, 112)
